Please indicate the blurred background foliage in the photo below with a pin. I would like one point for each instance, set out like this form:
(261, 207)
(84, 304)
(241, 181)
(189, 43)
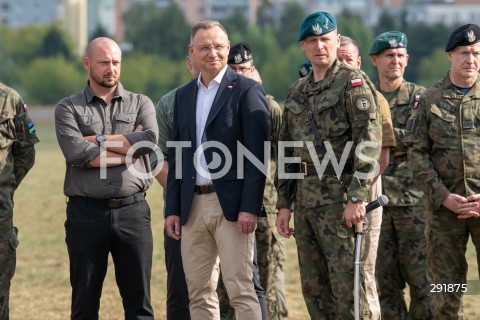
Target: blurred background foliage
(40, 63)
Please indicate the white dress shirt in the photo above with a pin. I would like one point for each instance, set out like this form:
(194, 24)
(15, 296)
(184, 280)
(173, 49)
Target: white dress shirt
(205, 97)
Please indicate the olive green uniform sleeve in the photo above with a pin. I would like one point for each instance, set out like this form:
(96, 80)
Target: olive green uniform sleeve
(366, 135)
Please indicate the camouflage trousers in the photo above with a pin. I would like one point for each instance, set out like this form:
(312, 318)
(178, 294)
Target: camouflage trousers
(326, 249)
(271, 260)
(7, 270)
(402, 253)
(448, 238)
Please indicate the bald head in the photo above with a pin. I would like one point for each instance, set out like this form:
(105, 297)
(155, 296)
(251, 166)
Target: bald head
(101, 43)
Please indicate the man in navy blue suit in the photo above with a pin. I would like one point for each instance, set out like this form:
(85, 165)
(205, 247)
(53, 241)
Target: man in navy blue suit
(217, 176)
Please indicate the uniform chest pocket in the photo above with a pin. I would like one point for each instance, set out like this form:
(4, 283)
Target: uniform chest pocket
(442, 126)
(7, 129)
(297, 117)
(330, 118)
(89, 125)
(401, 115)
(125, 122)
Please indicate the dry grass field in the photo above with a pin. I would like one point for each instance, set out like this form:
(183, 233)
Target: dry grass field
(41, 289)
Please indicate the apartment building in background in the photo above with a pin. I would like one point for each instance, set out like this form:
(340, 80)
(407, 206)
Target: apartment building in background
(82, 18)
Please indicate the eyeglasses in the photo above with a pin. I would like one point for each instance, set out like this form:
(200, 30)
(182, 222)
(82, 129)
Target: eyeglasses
(206, 49)
(241, 70)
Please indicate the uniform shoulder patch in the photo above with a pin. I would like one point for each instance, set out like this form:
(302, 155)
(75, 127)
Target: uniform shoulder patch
(363, 104)
(356, 82)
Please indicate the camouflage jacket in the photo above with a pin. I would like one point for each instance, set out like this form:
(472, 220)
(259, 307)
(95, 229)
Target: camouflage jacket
(397, 179)
(345, 111)
(270, 193)
(444, 137)
(17, 153)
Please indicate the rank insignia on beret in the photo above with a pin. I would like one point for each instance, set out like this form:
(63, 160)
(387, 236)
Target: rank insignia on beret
(363, 104)
(316, 29)
(356, 82)
(393, 43)
(238, 58)
(471, 36)
(25, 107)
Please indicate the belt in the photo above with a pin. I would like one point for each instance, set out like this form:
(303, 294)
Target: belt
(309, 169)
(109, 203)
(209, 188)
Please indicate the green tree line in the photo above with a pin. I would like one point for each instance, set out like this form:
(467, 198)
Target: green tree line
(39, 61)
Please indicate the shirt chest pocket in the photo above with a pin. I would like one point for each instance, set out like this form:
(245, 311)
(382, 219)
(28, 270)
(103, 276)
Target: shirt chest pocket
(297, 119)
(401, 114)
(330, 118)
(124, 122)
(89, 125)
(442, 127)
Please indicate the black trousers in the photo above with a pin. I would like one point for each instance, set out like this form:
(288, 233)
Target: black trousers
(177, 291)
(93, 231)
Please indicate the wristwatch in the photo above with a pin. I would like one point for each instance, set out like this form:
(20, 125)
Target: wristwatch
(100, 138)
(354, 199)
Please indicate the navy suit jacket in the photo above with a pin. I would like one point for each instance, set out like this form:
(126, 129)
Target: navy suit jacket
(239, 113)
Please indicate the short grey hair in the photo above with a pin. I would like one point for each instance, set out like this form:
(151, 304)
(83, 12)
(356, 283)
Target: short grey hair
(205, 24)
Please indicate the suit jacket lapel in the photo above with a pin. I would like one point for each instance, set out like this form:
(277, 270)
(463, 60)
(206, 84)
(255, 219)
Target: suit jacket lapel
(226, 87)
(191, 113)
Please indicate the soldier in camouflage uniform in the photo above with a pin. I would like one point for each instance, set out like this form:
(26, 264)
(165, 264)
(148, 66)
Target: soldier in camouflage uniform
(444, 132)
(17, 156)
(403, 244)
(330, 110)
(270, 246)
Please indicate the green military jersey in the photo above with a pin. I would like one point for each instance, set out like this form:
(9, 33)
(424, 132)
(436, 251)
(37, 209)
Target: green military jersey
(444, 137)
(397, 179)
(345, 113)
(17, 153)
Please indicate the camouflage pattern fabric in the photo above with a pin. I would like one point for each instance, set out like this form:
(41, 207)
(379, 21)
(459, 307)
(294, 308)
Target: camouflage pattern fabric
(443, 133)
(17, 155)
(403, 255)
(270, 245)
(340, 116)
(398, 184)
(345, 109)
(325, 256)
(403, 243)
(8, 258)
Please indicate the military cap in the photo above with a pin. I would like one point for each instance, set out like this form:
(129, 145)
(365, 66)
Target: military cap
(305, 69)
(464, 36)
(388, 40)
(240, 53)
(316, 24)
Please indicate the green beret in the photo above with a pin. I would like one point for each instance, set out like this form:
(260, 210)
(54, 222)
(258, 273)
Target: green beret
(316, 24)
(388, 40)
(464, 36)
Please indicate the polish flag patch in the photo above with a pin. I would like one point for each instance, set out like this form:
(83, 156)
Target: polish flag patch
(356, 82)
